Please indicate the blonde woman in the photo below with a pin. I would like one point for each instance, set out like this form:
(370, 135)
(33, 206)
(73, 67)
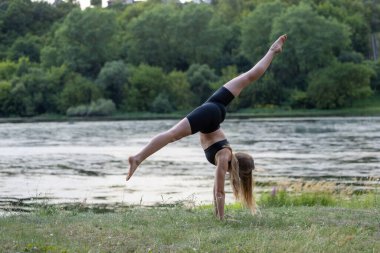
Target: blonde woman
(206, 120)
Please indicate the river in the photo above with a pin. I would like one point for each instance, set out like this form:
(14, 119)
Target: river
(86, 162)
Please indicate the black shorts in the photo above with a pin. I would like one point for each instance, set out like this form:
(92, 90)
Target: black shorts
(207, 117)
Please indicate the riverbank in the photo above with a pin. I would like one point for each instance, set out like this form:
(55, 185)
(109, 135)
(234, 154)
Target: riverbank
(244, 114)
(368, 107)
(326, 225)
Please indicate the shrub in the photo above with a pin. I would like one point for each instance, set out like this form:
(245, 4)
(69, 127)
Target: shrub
(338, 85)
(161, 104)
(100, 107)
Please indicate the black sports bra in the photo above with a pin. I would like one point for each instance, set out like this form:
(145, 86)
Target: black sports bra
(211, 151)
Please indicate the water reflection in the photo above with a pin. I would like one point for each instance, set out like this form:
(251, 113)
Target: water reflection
(87, 161)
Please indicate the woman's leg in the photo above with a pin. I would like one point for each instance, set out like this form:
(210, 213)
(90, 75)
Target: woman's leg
(180, 130)
(236, 85)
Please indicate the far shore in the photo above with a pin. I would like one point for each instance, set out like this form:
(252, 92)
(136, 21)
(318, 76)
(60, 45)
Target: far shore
(243, 114)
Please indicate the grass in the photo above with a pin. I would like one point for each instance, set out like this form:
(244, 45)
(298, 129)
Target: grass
(289, 223)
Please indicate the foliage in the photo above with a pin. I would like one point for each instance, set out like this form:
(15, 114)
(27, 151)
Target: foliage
(28, 46)
(5, 90)
(112, 79)
(151, 37)
(337, 85)
(319, 41)
(145, 83)
(172, 55)
(161, 104)
(257, 27)
(78, 90)
(100, 107)
(8, 69)
(84, 41)
(200, 78)
(179, 90)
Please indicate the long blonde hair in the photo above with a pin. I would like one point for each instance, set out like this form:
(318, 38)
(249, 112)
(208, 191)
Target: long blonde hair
(242, 182)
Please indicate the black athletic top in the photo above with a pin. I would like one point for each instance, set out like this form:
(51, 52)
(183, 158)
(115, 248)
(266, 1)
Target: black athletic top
(211, 151)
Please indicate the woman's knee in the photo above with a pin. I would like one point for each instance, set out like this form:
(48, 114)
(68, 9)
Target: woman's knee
(174, 135)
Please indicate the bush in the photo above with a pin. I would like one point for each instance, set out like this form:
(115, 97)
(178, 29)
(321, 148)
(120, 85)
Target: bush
(338, 85)
(78, 91)
(100, 107)
(299, 99)
(161, 104)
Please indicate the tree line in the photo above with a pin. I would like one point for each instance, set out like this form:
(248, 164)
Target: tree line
(165, 56)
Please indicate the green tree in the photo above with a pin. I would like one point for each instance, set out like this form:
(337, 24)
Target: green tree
(5, 91)
(179, 90)
(78, 90)
(354, 15)
(18, 17)
(28, 46)
(339, 84)
(84, 42)
(8, 69)
(257, 27)
(112, 79)
(161, 104)
(151, 37)
(315, 43)
(145, 83)
(200, 78)
(201, 39)
(267, 91)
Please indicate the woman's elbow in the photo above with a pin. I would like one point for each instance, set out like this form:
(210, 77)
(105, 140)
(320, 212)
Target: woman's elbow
(219, 194)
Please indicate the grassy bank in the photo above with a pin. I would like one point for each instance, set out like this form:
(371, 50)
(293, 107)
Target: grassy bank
(365, 107)
(331, 225)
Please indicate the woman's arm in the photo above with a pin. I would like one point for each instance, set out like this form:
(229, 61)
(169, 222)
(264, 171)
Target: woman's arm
(222, 157)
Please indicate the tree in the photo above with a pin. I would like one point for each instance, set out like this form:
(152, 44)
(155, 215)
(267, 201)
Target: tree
(28, 46)
(145, 83)
(18, 17)
(84, 42)
(5, 90)
(8, 69)
(339, 84)
(179, 91)
(200, 78)
(201, 39)
(112, 79)
(78, 90)
(256, 29)
(316, 42)
(151, 37)
(354, 15)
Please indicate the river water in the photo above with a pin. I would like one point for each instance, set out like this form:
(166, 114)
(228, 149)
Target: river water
(87, 161)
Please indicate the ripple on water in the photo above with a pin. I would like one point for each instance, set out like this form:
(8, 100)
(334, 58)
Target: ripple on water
(88, 160)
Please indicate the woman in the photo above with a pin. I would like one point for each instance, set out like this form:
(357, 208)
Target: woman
(206, 119)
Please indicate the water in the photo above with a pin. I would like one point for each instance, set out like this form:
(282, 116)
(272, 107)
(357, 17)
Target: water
(87, 161)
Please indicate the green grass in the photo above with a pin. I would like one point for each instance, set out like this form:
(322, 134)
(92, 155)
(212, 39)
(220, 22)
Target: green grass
(342, 225)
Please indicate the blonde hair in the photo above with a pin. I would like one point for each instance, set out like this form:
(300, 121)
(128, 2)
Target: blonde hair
(242, 182)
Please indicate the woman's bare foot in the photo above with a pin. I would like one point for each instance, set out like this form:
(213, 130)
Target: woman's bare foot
(133, 164)
(277, 45)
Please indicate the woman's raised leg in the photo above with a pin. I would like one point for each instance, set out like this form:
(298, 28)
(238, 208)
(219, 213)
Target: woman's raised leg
(237, 84)
(180, 130)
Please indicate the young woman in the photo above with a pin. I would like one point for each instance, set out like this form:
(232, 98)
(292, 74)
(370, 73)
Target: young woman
(206, 119)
